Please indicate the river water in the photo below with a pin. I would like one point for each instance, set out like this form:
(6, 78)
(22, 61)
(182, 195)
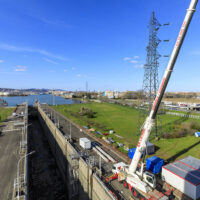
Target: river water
(47, 98)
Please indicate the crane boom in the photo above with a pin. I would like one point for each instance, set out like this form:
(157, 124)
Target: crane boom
(141, 146)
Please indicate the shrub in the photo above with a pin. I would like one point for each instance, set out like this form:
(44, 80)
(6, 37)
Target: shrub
(86, 112)
(166, 135)
(177, 133)
(195, 125)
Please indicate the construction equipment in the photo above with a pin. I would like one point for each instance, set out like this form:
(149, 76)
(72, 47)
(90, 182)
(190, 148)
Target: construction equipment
(112, 177)
(141, 182)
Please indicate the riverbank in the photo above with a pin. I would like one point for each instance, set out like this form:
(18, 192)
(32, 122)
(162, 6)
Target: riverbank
(4, 113)
(47, 98)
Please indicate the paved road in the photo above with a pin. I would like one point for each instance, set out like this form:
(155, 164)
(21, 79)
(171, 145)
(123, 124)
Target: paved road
(9, 156)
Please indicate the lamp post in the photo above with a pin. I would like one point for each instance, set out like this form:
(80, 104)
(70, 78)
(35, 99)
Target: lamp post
(18, 169)
(24, 131)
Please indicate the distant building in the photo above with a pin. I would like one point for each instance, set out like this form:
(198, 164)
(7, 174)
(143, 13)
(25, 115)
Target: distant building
(113, 94)
(4, 93)
(68, 95)
(109, 94)
(167, 102)
(58, 92)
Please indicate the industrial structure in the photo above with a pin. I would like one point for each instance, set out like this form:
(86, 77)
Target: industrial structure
(81, 162)
(150, 80)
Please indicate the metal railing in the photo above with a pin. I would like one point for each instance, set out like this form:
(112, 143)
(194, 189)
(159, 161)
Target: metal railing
(20, 190)
(183, 115)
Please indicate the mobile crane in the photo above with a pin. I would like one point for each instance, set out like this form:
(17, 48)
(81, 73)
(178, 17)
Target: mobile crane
(141, 182)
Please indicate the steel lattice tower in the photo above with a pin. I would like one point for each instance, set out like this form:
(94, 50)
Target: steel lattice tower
(150, 81)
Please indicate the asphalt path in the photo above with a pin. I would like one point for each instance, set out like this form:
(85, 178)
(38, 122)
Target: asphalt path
(9, 156)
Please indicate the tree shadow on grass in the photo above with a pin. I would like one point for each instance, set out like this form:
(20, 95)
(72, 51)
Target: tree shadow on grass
(174, 157)
(177, 121)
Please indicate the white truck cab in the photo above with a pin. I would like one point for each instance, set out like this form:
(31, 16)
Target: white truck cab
(118, 167)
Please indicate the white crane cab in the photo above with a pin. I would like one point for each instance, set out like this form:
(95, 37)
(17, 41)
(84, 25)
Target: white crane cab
(118, 167)
(146, 176)
(150, 179)
(140, 180)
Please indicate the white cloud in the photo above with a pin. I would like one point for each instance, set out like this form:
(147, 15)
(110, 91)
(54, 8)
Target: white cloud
(133, 61)
(50, 61)
(20, 68)
(81, 75)
(55, 23)
(73, 68)
(65, 70)
(126, 58)
(9, 47)
(1, 61)
(139, 66)
(51, 71)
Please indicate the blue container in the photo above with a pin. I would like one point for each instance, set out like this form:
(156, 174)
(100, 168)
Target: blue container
(131, 153)
(154, 164)
(99, 133)
(197, 134)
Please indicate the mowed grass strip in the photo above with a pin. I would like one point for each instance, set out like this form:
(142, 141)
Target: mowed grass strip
(123, 120)
(4, 113)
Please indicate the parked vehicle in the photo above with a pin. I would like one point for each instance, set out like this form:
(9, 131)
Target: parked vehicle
(111, 140)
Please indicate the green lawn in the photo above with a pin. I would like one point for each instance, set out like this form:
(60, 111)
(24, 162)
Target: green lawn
(4, 113)
(123, 120)
(173, 149)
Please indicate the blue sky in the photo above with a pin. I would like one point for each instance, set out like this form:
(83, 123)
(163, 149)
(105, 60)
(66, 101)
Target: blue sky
(62, 44)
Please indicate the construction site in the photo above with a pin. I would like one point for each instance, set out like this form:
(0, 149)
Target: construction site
(46, 155)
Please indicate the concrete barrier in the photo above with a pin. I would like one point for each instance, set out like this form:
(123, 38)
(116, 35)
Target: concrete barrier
(100, 191)
(79, 178)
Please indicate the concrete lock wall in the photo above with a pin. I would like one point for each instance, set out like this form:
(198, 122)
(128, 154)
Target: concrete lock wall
(100, 191)
(88, 184)
(51, 133)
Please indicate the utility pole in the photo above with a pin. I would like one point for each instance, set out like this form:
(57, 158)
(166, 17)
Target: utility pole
(70, 130)
(53, 98)
(86, 86)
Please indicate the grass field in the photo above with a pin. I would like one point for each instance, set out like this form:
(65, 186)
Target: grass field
(4, 113)
(123, 120)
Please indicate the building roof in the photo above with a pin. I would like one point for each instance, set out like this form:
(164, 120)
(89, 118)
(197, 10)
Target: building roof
(187, 169)
(85, 139)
